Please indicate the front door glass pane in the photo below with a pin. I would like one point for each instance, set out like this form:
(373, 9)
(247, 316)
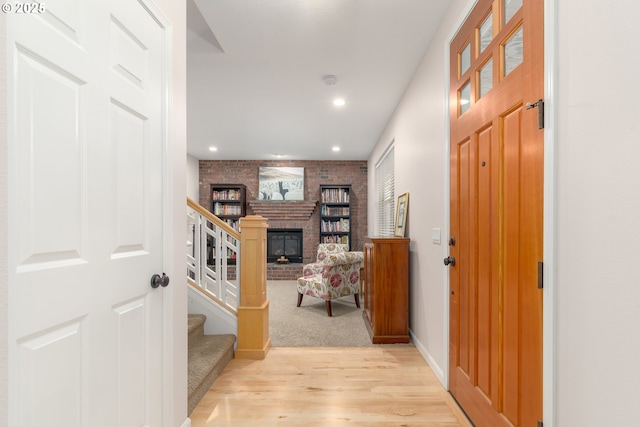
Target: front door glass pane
(485, 78)
(465, 59)
(486, 32)
(513, 52)
(465, 98)
(510, 8)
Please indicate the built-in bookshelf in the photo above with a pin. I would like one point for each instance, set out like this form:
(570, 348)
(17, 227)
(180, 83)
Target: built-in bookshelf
(335, 214)
(228, 202)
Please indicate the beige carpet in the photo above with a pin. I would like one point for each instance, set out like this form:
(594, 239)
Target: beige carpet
(309, 325)
(208, 355)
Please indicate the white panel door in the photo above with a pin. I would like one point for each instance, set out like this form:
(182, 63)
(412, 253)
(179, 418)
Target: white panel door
(87, 113)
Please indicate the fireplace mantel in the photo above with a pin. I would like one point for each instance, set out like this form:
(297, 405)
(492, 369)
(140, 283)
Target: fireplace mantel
(300, 210)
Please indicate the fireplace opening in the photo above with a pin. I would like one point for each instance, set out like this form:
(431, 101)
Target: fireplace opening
(284, 245)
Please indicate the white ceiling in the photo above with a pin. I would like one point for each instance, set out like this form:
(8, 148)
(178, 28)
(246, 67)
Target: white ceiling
(255, 74)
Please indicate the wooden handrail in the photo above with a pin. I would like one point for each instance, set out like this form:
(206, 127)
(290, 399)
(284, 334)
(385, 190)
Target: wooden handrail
(214, 219)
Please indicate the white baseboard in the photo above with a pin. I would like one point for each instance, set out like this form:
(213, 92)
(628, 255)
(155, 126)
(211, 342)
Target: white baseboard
(437, 370)
(186, 423)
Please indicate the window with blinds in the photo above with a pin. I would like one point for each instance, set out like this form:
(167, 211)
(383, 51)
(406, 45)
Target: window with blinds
(386, 197)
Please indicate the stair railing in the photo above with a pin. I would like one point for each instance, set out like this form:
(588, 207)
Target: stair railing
(213, 257)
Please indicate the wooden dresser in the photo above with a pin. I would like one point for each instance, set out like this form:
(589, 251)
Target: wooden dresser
(386, 289)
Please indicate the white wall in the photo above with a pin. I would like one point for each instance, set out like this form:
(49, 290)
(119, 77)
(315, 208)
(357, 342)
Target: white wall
(418, 127)
(193, 178)
(176, 348)
(598, 214)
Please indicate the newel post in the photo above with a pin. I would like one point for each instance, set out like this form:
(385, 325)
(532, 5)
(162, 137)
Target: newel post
(253, 313)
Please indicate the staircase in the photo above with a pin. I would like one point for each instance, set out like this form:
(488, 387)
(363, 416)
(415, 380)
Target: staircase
(208, 355)
(218, 293)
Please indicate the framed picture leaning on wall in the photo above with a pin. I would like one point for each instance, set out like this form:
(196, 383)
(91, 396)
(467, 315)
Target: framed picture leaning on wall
(402, 209)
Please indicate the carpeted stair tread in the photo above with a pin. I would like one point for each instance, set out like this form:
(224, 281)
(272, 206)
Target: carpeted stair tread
(196, 326)
(208, 356)
(196, 320)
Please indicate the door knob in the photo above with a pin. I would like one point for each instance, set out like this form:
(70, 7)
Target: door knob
(450, 261)
(157, 280)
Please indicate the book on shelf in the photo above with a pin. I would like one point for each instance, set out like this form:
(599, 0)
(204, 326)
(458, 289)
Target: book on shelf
(335, 195)
(341, 225)
(225, 209)
(335, 239)
(334, 210)
(226, 194)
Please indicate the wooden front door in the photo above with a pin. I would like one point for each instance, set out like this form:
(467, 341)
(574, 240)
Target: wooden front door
(496, 214)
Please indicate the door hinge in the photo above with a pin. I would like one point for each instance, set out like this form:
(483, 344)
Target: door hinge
(539, 423)
(540, 275)
(540, 105)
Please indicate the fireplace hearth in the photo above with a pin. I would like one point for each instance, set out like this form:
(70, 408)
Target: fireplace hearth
(284, 245)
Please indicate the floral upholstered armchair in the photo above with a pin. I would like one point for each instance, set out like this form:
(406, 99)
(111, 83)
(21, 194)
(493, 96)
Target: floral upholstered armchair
(324, 250)
(338, 277)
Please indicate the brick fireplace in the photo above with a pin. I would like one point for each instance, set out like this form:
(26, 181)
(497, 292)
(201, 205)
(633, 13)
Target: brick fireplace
(293, 214)
(284, 245)
(287, 216)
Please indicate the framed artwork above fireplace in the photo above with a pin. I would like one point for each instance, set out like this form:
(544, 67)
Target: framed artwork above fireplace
(281, 183)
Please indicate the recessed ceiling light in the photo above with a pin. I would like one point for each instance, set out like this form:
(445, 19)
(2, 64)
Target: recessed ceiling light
(336, 148)
(213, 149)
(339, 102)
(279, 156)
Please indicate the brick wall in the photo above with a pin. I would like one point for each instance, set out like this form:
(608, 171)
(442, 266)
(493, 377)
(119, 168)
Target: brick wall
(315, 173)
(284, 271)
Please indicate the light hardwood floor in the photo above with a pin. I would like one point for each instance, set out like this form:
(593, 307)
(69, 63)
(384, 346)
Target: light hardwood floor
(304, 386)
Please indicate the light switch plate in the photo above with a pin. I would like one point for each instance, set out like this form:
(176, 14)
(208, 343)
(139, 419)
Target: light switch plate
(435, 236)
